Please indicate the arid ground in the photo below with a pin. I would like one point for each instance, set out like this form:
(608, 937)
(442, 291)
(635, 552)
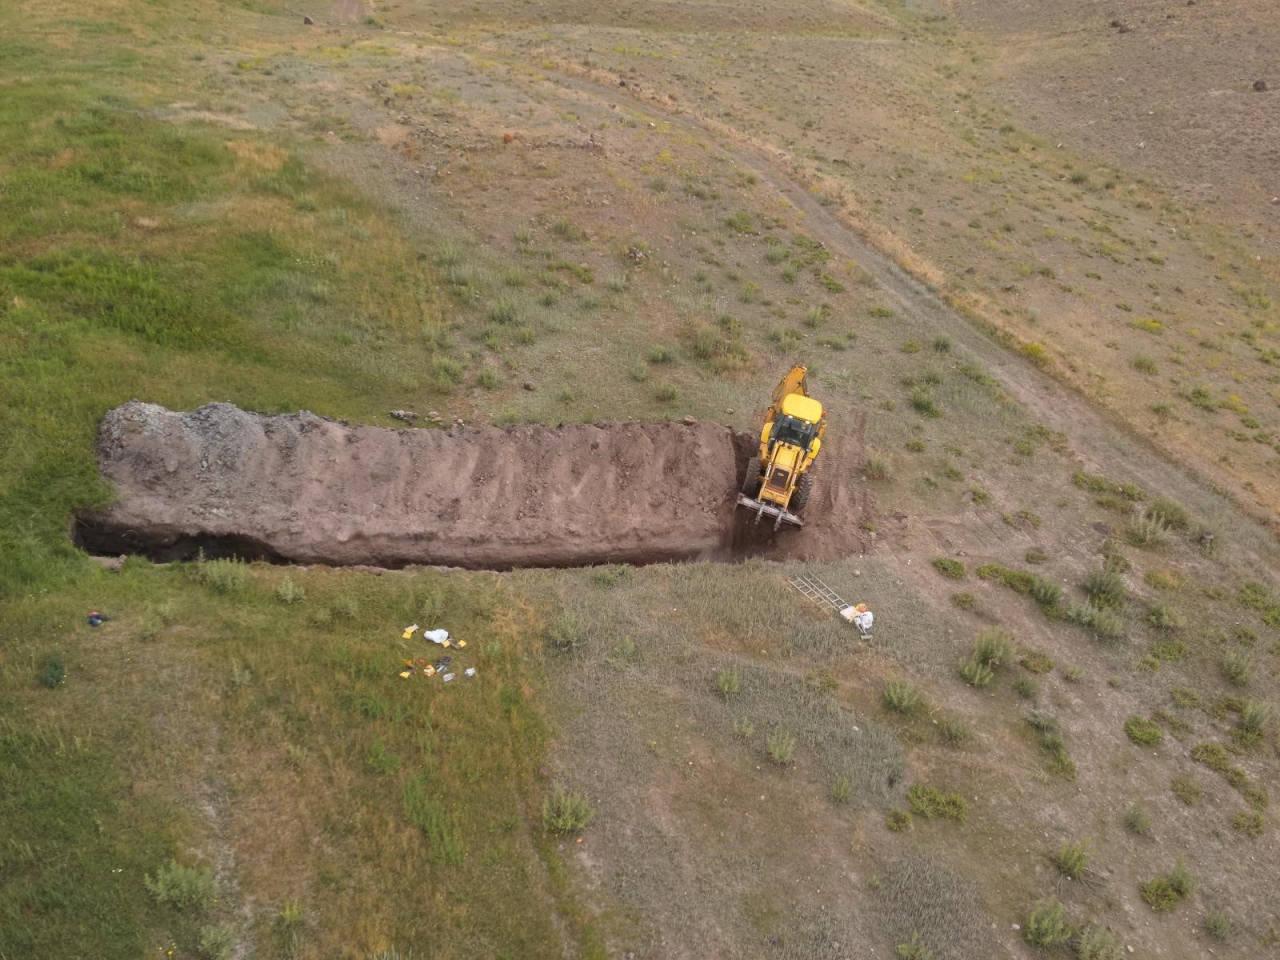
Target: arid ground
(1029, 254)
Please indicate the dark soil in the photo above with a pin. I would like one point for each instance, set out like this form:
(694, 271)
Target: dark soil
(305, 489)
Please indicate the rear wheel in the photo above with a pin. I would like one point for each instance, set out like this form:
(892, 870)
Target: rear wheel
(751, 480)
(804, 486)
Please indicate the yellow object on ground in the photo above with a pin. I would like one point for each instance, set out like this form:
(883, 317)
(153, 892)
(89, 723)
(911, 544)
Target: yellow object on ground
(777, 482)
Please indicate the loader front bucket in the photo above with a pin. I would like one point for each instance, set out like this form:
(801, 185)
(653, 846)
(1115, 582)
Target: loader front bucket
(762, 509)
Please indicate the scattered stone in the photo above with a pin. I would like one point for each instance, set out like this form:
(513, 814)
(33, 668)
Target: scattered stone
(114, 564)
(408, 416)
(1260, 86)
(508, 137)
(688, 421)
(528, 385)
(307, 21)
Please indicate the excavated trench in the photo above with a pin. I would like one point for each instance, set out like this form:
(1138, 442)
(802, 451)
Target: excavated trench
(300, 488)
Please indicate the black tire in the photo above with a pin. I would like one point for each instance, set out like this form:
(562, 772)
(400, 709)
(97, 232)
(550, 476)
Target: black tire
(751, 479)
(804, 487)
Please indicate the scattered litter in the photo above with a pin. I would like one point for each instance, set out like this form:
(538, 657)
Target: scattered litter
(469, 672)
(435, 636)
(448, 677)
(96, 619)
(406, 674)
(409, 631)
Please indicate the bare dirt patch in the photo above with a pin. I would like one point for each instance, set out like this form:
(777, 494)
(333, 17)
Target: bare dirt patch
(303, 488)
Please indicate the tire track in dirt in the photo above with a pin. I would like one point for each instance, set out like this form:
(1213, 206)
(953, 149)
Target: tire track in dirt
(1100, 440)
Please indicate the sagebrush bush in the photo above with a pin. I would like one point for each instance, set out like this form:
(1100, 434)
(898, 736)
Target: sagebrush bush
(1164, 893)
(226, 575)
(729, 682)
(180, 886)
(1136, 820)
(781, 746)
(1097, 943)
(1236, 668)
(289, 592)
(993, 647)
(976, 673)
(1046, 925)
(52, 672)
(953, 569)
(1045, 592)
(1143, 731)
(954, 732)
(932, 803)
(1146, 531)
(1071, 860)
(901, 697)
(566, 635)
(1105, 588)
(217, 942)
(566, 811)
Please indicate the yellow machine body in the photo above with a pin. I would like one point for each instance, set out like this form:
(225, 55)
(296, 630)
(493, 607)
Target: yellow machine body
(777, 484)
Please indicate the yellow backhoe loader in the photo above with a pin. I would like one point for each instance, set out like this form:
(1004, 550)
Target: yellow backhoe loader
(777, 482)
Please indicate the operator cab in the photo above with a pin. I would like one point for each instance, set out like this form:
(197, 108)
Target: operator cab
(798, 423)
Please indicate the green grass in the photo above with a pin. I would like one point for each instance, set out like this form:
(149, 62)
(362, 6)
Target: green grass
(933, 803)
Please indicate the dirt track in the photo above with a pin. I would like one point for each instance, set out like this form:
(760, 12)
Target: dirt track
(303, 488)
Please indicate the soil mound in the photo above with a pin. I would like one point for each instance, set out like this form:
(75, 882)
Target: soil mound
(303, 488)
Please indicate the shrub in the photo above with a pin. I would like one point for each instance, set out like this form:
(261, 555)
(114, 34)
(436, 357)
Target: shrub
(913, 949)
(1164, 893)
(964, 600)
(1045, 592)
(1046, 925)
(1146, 531)
(1097, 943)
(566, 635)
(1136, 820)
(975, 673)
(180, 886)
(729, 682)
(1249, 822)
(1143, 732)
(876, 470)
(217, 942)
(1035, 662)
(661, 355)
(289, 592)
(954, 732)
(503, 311)
(1105, 588)
(227, 575)
(1251, 722)
(841, 788)
(781, 746)
(898, 820)
(1035, 556)
(1169, 513)
(1071, 860)
(1217, 925)
(1235, 669)
(923, 403)
(1105, 624)
(932, 803)
(993, 647)
(1186, 789)
(52, 673)
(1164, 617)
(566, 811)
(1026, 688)
(901, 697)
(953, 569)
(744, 728)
